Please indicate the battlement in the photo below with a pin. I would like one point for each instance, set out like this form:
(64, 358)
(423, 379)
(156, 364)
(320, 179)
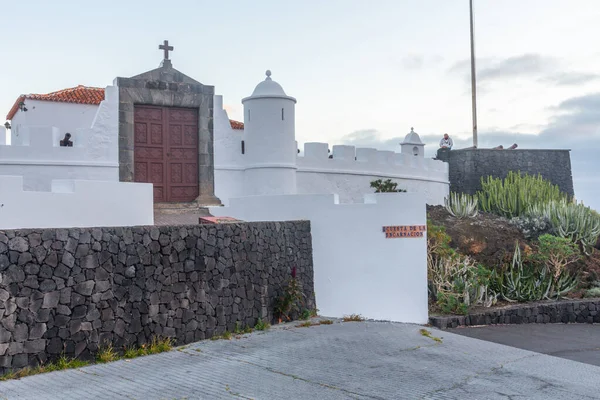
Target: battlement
(345, 158)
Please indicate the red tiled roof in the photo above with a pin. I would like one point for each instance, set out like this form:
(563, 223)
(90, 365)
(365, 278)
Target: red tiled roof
(79, 95)
(236, 124)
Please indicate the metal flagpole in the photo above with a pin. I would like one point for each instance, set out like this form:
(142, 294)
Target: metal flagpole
(473, 88)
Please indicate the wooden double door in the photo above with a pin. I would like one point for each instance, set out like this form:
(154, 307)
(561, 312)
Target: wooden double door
(166, 151)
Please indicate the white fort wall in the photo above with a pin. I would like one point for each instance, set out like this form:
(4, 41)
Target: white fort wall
(36, 155)
(351, 170)
(75, 203)
(357, 269)
(228, 158)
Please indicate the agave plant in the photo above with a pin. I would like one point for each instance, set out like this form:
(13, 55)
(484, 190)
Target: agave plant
(571, 220)
(523, 282)
(461, 205)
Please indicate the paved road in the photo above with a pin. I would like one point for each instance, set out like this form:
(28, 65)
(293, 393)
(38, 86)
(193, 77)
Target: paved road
(354, 360)
(578, 342)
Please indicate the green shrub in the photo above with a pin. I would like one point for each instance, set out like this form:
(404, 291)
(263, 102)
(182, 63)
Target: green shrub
(578, 223)
(556, 253)
(451, 304)
(593, 292)
(516, 194)
(386, 186)
(461, 205)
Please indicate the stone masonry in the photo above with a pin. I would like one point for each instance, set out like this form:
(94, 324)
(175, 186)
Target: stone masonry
(577, 311)
(468, 166)
(71, 290)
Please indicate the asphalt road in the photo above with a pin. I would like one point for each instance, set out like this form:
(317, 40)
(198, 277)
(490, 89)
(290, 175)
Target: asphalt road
(577, 342)
(353, 360)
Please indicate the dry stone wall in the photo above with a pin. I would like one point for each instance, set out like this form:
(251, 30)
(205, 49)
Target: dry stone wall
(550, 312)
(66, 291)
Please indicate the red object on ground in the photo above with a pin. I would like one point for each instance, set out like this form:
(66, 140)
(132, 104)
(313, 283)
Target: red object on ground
(217, 220)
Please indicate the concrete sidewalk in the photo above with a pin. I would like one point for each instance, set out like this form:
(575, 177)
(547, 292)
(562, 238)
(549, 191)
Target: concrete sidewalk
(354, 360)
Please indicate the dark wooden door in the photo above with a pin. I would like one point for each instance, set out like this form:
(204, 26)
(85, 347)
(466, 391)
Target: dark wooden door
(166, 151)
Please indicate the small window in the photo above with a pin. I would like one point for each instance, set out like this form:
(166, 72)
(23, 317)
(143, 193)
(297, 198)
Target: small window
(248, 114)
(415, 151)
(243, 147)
(282, 115)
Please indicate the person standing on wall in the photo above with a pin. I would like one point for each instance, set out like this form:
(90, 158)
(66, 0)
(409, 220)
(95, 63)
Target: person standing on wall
(446, 142)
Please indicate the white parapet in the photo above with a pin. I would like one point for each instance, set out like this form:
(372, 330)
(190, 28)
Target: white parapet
(75, 203)
(366, 155)
(341, 152)
(357, 268)
(316, 150)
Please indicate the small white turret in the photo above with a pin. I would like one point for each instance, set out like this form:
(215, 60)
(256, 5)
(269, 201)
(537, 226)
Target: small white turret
(413, 145)
(270, 148)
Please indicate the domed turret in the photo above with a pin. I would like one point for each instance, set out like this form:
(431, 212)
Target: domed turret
(412, 144)
(270, 148)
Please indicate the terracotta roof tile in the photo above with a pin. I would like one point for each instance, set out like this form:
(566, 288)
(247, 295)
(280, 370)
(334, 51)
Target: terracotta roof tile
(79, 95)
(236, 124)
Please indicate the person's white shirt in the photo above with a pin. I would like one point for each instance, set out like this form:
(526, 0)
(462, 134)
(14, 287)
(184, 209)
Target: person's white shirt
(446, 143)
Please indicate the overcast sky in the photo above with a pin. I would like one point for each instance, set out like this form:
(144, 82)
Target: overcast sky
(364, 72)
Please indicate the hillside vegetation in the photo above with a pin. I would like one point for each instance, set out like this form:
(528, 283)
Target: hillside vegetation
(519, 239)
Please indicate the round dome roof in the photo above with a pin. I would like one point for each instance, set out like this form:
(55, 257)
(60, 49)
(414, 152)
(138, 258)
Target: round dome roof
(268, 88)
(412, 138)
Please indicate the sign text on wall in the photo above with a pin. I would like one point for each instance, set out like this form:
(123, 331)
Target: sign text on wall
(404, 231)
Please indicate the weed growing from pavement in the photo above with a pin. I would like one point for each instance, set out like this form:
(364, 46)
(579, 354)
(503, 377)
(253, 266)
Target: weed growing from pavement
(62, 363)
(262, 325)
(426, 333)
(106, 354)
(353, 318)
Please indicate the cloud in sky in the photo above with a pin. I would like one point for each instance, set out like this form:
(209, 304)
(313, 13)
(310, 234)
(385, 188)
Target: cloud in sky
(570, 78)
(575, 126)
(546, 69)
(518, 66)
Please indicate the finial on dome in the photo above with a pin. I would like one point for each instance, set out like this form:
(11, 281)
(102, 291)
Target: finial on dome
(268, 73)
(412, 129)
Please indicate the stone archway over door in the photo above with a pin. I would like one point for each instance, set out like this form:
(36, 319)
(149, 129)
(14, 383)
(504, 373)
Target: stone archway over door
(166, 151)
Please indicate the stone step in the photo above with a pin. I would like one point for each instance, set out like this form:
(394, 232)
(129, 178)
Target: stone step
(181, 208)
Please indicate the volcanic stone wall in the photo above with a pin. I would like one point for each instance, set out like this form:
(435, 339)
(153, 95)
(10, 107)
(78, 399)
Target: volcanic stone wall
(468, 166)
(66, 291)
(575, 311)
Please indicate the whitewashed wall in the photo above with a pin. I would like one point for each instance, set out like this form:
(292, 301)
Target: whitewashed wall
(351, 170)
(75, 203)
(229, 162)
(357, 270)
(36, 155)
(3, 135)
(67, 117)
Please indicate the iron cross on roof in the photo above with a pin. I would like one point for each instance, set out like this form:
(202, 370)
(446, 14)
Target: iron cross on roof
(166, 48)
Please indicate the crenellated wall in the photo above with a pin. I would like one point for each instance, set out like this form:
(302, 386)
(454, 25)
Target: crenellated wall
(350, 171)
(36, 155)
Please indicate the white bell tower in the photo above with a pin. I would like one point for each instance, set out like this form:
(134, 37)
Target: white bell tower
(269, 141)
